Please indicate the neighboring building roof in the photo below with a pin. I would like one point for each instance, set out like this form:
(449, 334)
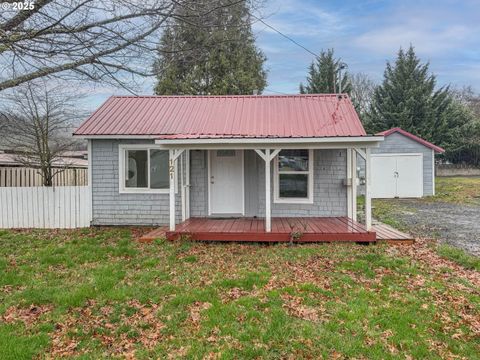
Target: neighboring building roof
(81, 154)
(10, 159)
(181, 117)
(413, 137)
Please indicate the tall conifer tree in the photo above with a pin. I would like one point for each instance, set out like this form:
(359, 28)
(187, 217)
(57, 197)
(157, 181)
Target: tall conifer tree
(323, 76)
(213, 55)
(408, 98)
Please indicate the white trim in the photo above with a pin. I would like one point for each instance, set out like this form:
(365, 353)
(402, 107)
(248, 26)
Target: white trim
(361, 153)
(182, 188)
(268, 191)
(187, 183)
(121, 170)
(329, 146)
(368, 191)
(349, 183)
(171, 189)
(261, 154)
(98, 137)
(209, 169)
(277, 199)
(301, 140)
(90, 177)
(354, 185)
(396, 154)
(433, 173)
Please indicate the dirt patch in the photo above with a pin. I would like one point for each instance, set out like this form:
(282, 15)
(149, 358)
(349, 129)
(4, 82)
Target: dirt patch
(454, 224)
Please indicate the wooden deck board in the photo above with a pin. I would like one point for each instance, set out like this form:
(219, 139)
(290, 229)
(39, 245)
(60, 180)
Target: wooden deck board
(253, 229)
(387, 233)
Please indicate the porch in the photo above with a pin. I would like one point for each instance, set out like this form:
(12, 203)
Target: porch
(311, 229)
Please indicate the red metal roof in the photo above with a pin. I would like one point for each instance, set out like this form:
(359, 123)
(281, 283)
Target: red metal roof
(178, 117)
(413, 137)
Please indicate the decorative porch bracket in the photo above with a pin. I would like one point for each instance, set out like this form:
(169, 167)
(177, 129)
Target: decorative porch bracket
(267, 157)
(173, 156)
(368, 185)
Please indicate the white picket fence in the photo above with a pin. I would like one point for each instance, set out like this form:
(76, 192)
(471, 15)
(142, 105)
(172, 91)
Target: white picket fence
(64, 207)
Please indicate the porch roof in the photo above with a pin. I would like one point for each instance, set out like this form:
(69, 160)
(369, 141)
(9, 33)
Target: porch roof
(225, 117)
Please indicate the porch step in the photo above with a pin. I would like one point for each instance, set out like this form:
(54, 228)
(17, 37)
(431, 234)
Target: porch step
(390, 235)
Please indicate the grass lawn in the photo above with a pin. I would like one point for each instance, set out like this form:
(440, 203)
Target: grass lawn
(98, 293)
(458, 190)
(464, 190)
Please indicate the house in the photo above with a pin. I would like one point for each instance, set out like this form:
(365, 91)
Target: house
(237, 164)
(403, 166)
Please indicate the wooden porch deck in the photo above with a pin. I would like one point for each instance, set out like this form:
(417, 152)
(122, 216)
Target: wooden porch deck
(391, 235)
(312, 229)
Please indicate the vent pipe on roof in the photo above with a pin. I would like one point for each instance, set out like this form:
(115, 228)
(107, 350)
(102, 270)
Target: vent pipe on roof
(255, 92)
(340, 68)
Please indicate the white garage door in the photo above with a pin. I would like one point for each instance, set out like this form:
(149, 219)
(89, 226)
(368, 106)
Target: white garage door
(397, 175)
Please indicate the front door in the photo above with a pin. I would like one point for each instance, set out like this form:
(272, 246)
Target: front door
(226, 183)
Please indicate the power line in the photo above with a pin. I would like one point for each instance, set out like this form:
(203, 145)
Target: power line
(285, 36)
(276, 92)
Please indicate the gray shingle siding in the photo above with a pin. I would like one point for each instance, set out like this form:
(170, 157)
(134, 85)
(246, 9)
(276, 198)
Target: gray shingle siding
(399, 144)
(109, 207)
(112, 208)
(330, 195)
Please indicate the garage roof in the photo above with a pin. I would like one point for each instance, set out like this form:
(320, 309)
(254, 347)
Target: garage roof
(413, 137)
(197, 117)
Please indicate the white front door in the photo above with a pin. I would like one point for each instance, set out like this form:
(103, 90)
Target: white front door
(397, 175)
(226, 183)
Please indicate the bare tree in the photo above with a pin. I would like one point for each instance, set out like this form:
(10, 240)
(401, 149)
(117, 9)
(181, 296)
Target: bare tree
(38, 121)
(469, 98)
(362, 91)
(98, 40)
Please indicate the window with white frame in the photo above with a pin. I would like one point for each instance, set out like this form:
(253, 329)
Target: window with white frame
(294, 176)
(144, 169)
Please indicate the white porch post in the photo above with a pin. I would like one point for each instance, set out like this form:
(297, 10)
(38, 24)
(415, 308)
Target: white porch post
(187, 184)
(267, 156)
(173, 156)
(368, 192)
(354, 185)
(90, 177)
(268, 204)
(171, 171)
(349, 183)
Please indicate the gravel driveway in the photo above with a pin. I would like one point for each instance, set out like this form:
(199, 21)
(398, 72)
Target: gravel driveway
(454, 224)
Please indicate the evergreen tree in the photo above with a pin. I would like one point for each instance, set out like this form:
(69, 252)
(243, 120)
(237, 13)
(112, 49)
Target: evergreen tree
(323, 76)
(408, 98)
(215, 54)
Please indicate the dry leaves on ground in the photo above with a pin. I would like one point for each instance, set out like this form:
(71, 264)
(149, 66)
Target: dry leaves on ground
(145, 329)
(26, 315)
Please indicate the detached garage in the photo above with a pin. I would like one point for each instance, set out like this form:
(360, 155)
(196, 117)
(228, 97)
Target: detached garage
(403, 166)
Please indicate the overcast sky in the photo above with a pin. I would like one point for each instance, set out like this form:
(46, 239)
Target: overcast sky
(365, 34)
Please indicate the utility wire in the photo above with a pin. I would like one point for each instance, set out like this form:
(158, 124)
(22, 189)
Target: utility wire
(285, 36)
(276, 92)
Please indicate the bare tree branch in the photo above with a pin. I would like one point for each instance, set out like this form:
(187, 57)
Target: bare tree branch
(37, 122)
(93, 40)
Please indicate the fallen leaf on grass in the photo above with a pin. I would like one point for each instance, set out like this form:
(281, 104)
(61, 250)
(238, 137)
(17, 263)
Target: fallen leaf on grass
(195, 309)
(294, 307)
(26, 315)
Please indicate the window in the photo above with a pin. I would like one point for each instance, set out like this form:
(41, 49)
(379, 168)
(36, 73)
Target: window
(144, 169)
(294, 176)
